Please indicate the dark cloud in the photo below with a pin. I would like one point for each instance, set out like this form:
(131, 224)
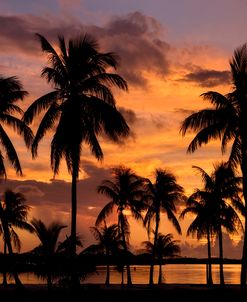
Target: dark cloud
(57, 192)
(183, 111)
(208, 78)
(128, 114)
(136, 38)
(18, 32)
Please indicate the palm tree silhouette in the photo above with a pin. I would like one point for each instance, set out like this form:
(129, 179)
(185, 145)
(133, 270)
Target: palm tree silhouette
(49, 246)
(13, 214)
(220, 187)
(165, 247)
(11, 91)
(125, 191)
(226, 120)
(109, 242)
(161, 197)
(81, 106)
(201, 225)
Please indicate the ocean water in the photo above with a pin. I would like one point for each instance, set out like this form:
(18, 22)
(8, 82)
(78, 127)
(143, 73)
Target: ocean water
(172, 274)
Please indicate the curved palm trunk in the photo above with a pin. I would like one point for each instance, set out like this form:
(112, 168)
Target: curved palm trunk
(209, 266)
(222, 282)
(151, 272)
(5, 283)
(244, 254)
(129, 281)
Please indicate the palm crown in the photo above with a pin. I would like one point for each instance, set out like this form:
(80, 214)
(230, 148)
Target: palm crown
(11, 91)
(82, 103)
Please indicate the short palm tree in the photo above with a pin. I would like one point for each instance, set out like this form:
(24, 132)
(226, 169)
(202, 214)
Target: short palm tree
(80, 107)
(125, 192)
(109, 242)
(161, 197)
(13, 214)
(226, 120)
(48, 236)
(11, 91)
(213, 209)
(165, 247)
(201, 226)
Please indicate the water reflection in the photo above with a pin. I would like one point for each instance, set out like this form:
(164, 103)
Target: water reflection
(172, 273)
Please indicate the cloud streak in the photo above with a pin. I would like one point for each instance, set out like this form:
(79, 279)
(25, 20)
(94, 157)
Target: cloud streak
(208, 78)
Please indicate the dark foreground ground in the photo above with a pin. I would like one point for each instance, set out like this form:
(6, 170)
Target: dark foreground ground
(99, 293)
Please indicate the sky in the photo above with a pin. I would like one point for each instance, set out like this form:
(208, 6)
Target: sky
(171, 51)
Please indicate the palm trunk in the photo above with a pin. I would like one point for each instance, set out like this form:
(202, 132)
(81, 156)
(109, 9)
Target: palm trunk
(222, 282)
(244, 253)
(151, 272)
(74, 278)
(122, 276)
(129, 282)
(8, 244)
(160, 273)
(209, 266)
(107, 280)
(5, 283)
(73, 212)
(49, 280)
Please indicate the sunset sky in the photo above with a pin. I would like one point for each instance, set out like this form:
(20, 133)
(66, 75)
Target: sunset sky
(171, 51)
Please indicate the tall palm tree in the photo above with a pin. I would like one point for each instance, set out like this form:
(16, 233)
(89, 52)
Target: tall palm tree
(11, 91)
(165, 247)
(226, 120)
(48, 236)
(221, 187)
(109, 242)
(125, 192)
(161, 197)
(13, 214)
(81, 106)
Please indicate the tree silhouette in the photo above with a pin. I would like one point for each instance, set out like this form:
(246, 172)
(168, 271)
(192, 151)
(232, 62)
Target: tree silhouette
(201, 225)
(13, 214)
(109, 242)
(11, 91)
(81, 106)
(165, 247)
(124, 191)
(161, 197)
(48, 236)
(226, 120)
(212, 207)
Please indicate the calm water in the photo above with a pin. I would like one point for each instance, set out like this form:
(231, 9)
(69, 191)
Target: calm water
(172, 273)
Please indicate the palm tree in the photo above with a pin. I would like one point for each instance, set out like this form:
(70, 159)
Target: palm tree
(161, 197)
(48, 236)
(13, 214)
(109, 242)
(81, 106)
(165, 247)
(226, 120)
(220, 187)
(124, 191)
(11, 91)
(201, 225)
